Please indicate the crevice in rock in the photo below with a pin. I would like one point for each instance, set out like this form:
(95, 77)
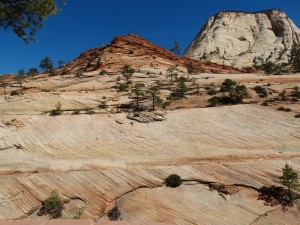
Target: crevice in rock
(262, 215)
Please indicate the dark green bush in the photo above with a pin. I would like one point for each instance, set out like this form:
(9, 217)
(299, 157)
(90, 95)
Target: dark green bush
(173, 181)
(89, 110)
(212, 92)
(76, 112)
(297, 115)
(51, 206)
(262, 92)
(114, 214)
(281, 108)
(214, 101)
(64, 71)
(123, 87)
(103, 72)
(265, 103)
(14, 93)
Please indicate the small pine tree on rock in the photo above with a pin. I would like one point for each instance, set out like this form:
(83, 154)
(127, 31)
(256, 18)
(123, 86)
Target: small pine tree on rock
(289, 179)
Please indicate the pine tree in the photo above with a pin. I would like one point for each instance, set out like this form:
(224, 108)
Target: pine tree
(190, 69)
(154, 92)
(294, 59)
(127, 72)
(25, 17)
(289, 179)
(138, 92)
(46, 64)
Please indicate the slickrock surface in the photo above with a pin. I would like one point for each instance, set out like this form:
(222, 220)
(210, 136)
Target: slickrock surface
(97, 158)
(237, 38)
(96, 163)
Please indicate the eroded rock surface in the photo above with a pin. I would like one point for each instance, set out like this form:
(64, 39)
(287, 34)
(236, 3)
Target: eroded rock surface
(239, 39)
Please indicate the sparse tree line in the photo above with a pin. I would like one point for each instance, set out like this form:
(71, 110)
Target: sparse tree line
(293, 65)
(46, 65)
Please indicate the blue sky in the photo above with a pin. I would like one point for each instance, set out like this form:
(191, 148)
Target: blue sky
(85, 24)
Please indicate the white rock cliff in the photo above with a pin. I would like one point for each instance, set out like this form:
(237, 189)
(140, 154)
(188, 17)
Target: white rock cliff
(239, 39)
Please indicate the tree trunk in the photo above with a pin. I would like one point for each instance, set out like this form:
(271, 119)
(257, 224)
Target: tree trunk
(153, 102)
(290, 196)
(21, 87)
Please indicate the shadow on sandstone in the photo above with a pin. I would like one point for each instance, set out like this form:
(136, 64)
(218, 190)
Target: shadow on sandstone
(274, 195)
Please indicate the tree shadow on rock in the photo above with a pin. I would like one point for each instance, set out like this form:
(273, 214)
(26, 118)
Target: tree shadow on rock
(274, 195)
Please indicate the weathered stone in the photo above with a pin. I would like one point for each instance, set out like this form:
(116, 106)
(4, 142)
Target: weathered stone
(238, 38)
(145, 117)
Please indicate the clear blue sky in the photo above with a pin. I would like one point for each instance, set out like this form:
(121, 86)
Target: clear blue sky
(85, 24)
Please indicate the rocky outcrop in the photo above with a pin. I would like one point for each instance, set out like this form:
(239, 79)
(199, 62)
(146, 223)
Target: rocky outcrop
(139, 53)
(146, 117)
(239, 39)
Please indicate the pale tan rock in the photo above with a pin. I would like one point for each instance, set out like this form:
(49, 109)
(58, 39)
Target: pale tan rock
(237, 38)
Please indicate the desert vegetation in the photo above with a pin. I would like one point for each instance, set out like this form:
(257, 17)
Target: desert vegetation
(173, 181)
(232, 93)
(52, 206)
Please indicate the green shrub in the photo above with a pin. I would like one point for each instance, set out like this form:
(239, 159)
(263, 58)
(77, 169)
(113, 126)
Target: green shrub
(57, 111)
(103, 105)
(297, 115)
(265, 103)
(52, 73)
(14, 93)
(64, 71)
(123, 87)
(207, 88)
(51, 206)
(89, 110)
(114, 214)
(213, 101)
(103, 72)
(296, 92)
(212, 92)
(262, 92)
(281, 108)
(76, 112)
(173, 181)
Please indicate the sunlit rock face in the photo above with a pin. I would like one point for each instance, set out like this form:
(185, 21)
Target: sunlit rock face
(239, 39)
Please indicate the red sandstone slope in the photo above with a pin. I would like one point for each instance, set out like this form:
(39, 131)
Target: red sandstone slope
(140, 54)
